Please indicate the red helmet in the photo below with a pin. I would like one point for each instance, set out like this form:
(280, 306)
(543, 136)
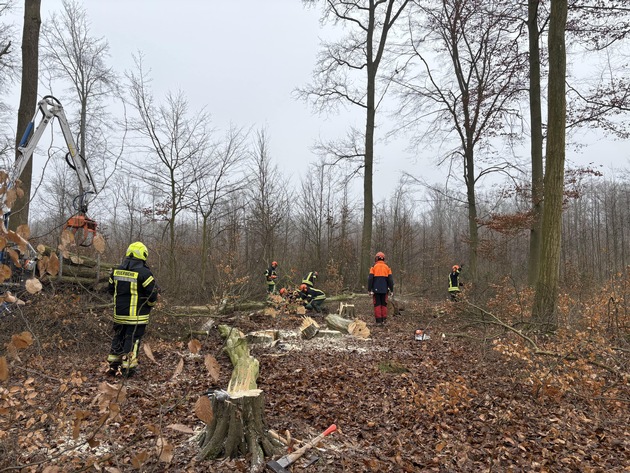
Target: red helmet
(283, 292)
(303, 288)
(379, 256)
(455, 268)
(274, 263)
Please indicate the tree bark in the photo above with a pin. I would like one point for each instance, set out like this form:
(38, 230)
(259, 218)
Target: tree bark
(357, 327)
(544, 309)
(28, 102)
(536, 143)
(238, 427)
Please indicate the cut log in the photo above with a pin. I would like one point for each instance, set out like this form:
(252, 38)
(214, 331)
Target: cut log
(265, 337)
(336, 322)
(356, 327)
(238, 427)
(309, 328)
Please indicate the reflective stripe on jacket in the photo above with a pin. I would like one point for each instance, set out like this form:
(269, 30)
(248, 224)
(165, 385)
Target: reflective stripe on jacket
(309, 279)
(453, 281)
(314, 294)
(135, 292)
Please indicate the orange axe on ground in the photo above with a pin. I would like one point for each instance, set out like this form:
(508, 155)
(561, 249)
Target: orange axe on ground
(280, 466)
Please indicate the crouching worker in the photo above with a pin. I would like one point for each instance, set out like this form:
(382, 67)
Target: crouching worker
(135, 293)
(313, 298)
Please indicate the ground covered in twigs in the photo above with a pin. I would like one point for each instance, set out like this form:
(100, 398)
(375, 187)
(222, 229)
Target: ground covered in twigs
(471, 400)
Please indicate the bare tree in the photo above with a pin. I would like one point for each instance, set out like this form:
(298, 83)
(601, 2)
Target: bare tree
(544, 309)
(9, 64)
(474, 95)
(172, 140)
(346, 74)
(28, 100)
(79, 60)
(269, 205)
(215, 180)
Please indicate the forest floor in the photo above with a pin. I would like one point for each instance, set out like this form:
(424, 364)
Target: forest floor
(454, 403)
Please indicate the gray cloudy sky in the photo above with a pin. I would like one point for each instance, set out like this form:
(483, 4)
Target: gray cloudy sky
(242, 59)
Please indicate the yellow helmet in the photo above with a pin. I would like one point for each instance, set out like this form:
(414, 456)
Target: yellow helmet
(137, 250)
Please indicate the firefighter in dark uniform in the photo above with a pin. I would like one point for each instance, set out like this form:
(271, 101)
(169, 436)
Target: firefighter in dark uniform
(135, 293)
(454, 283)
(380, 284)
(271, 276)
(313, 298)
(310, 278)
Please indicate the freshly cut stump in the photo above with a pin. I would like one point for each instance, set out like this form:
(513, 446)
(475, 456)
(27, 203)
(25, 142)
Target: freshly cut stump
(238, 427)
(309, 328)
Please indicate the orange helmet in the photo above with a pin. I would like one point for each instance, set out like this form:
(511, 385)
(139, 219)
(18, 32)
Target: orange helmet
(303, 288)
(455, 268)
(379, 256)
(274, 263)
(283, 292)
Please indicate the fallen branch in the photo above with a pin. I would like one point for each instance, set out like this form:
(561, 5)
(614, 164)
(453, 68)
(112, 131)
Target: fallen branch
(535, 348)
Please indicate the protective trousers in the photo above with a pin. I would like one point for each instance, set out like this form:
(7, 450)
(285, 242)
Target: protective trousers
(125, 346)
(380, 307)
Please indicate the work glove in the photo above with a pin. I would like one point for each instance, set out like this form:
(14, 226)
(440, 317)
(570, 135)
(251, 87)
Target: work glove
(371, 293)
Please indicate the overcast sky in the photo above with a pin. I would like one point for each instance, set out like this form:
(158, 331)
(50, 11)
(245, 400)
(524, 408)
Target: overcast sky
(242, 59)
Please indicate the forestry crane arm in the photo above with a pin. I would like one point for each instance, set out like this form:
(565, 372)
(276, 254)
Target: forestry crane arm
(50, 108)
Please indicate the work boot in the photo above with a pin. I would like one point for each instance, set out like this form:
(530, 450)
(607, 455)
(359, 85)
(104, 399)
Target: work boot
(129, 372)
(112, 370)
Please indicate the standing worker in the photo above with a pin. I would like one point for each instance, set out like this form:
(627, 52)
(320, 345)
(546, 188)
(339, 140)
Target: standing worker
(135, 293)
(271, 276)
(313, 298)
(380, 284)
(454, 283)
(310, 278)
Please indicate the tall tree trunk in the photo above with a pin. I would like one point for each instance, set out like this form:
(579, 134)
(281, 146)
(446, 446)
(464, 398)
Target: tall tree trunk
(473, 229)
(368, 197)
(368, 178)
(536, 142)
(544, 310)
(28, 100)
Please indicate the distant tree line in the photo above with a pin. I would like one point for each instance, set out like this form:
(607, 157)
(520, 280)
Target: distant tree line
(464, 77)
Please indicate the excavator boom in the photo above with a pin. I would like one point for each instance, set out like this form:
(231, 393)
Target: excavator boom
(49, 108)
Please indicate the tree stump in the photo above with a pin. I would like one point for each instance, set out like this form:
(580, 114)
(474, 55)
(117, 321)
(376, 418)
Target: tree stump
(346, 310)
(309, 328)
(238, 427)
(395, 306)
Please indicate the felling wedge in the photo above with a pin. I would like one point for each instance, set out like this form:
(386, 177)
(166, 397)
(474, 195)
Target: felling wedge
(280, 466)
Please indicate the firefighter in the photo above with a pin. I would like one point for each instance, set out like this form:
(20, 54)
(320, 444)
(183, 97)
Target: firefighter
(310, 278)
(271, 276)
(135, 293)
(313, 298)
(380, 284)
(454, 283)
